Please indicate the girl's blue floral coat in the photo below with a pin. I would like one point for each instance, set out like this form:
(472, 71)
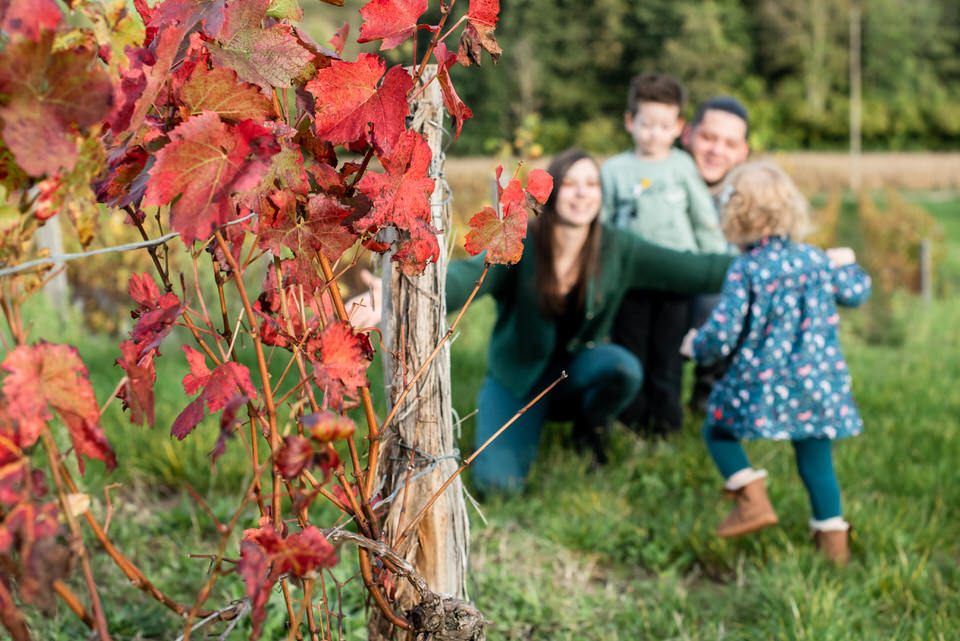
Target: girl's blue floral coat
(777, 323)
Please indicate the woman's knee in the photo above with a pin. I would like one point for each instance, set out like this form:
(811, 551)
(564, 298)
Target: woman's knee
(616, 366)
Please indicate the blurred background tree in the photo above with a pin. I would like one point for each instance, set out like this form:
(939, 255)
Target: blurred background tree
(567, 64)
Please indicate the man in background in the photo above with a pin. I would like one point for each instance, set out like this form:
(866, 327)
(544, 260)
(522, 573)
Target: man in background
(717, 140)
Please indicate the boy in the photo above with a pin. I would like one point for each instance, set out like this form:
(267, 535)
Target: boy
(657, 192)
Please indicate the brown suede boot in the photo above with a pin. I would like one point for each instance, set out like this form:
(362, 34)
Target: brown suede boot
(752, 511)
(834, 544)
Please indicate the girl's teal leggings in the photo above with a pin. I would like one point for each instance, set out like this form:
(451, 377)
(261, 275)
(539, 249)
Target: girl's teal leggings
(814, 463)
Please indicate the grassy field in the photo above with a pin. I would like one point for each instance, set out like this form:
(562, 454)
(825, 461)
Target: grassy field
(626, 551)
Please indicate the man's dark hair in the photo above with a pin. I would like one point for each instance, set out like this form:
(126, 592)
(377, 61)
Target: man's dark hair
(722, 103)
(654, 87)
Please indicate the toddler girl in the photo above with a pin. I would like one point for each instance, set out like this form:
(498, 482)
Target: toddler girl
(777, 325)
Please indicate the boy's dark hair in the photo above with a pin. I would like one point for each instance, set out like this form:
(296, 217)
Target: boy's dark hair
(722, 103)
(655, 87)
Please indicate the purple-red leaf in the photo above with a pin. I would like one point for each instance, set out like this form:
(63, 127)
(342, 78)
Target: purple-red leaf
(293, 456)
(219, 387)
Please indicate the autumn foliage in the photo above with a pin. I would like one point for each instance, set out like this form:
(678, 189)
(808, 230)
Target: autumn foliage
(222, 121)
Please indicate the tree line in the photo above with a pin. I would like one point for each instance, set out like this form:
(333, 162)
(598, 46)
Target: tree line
(566, 66)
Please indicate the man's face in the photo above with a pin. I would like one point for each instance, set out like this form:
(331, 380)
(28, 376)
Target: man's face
(717, 144)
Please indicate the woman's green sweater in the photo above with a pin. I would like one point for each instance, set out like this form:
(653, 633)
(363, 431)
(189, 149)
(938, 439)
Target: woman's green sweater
(523, 338)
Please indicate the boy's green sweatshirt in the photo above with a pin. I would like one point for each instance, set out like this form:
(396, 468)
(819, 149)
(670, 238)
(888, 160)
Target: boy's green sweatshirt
(663, 201)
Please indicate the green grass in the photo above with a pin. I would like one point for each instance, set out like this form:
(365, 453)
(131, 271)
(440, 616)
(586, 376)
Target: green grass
(626, 551)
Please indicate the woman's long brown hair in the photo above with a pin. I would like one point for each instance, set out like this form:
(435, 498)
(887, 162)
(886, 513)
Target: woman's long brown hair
(552, 301)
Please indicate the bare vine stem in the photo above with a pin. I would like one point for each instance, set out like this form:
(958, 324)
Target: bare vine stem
(264, 372)
(53, 457)
(218, 562)
(433, 42)
(126, 566)
(73, 602)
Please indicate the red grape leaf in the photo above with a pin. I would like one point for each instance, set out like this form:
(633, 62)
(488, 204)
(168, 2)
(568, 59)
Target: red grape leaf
(187, 13)
(502, 239)
(458, 111)
(143, 290)
(141, 82)
(478, 32)
(286, 167)
(329, 235)
(539, 185)
(293, 456)
(270, 57)
(400, 197)
(188, 419)
(32, 528)
(206, 161)
(219, 385)
(303, 552)
(348, 100)
(29, 17)
(265, 555)
(126, 181)
(47, 374)
(219, 90)
(326, 426)
(253, 567)
(421, 248)
(137, 392)
(50, 96)
(319, 228)
(199, 374)
(393, 21)
(156, 312)
(339, 39)
(341, 369)
(228, 423)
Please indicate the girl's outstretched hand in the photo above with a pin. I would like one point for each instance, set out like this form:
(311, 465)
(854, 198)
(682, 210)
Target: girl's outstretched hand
(365, 309)
(840, 256)
(686, 347)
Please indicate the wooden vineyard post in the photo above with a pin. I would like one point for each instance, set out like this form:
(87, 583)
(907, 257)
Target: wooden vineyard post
(418, 450)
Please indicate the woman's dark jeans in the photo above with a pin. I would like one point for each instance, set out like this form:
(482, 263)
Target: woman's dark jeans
(601, 381)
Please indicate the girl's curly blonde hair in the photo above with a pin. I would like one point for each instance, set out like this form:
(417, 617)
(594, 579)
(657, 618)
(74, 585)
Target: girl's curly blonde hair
(762, 201)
